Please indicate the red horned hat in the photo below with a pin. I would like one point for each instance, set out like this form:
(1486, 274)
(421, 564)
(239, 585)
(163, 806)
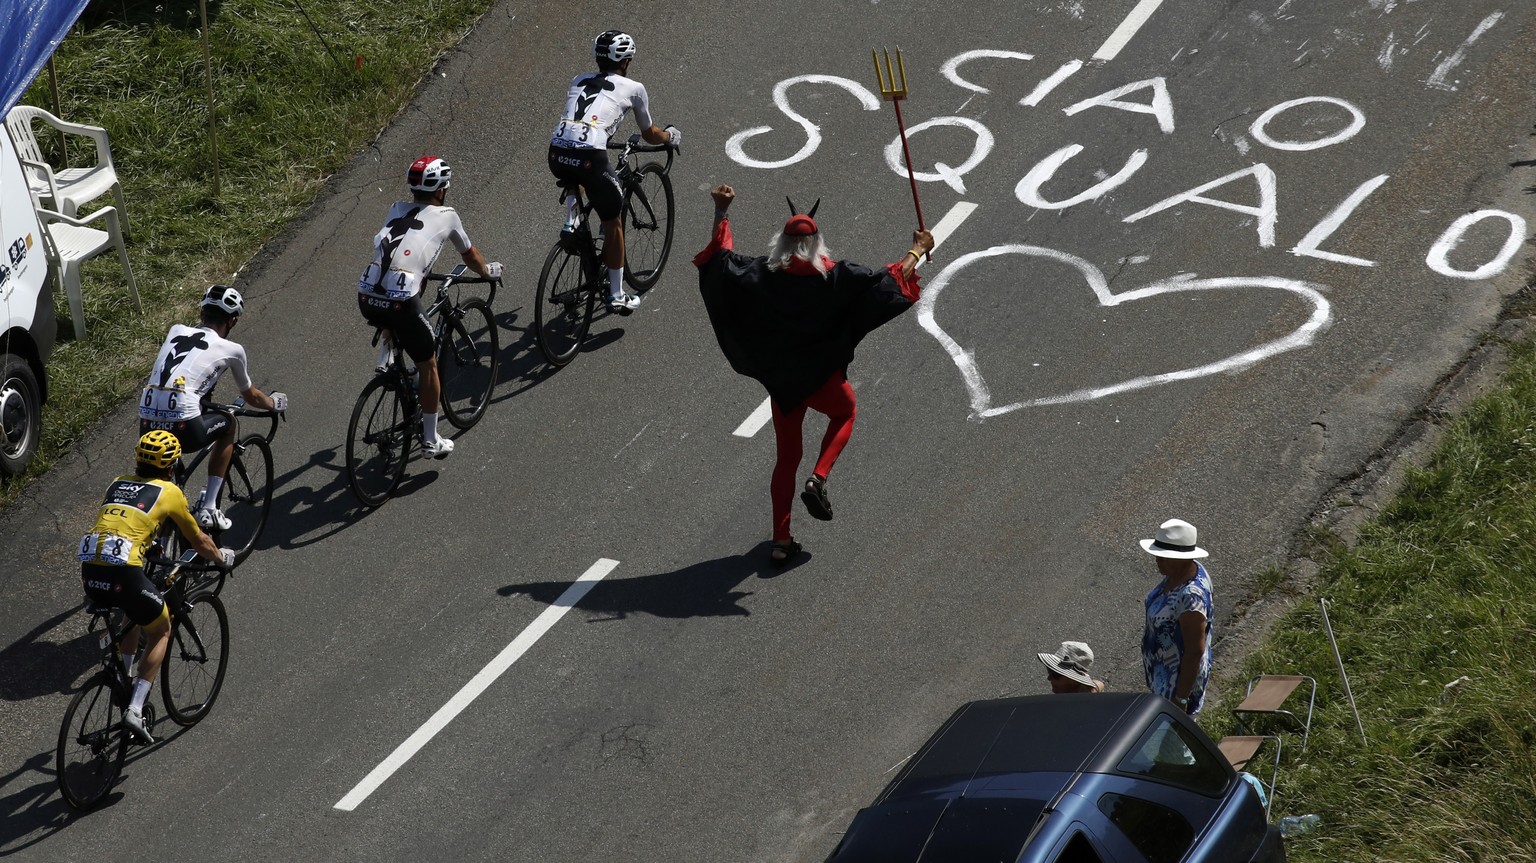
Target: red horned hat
(801, 224)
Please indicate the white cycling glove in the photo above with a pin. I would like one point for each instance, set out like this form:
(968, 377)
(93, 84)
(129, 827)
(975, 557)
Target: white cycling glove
(227, 558)
(677, 136)
(493, 270)
(279, 401)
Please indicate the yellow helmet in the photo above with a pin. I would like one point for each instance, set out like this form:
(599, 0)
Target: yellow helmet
(158, 448)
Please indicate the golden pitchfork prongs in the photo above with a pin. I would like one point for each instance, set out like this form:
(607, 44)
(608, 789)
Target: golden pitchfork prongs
(893, 88)
(892, 80)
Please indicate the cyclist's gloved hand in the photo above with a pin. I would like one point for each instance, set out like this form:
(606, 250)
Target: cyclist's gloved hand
(677, 137)
(493, 270)
(227, 558)
(279, 402)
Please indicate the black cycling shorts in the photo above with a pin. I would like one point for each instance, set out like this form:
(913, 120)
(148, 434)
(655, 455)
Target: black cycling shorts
(194, 433)
(405, 319)
(590, 169)
(125, 587)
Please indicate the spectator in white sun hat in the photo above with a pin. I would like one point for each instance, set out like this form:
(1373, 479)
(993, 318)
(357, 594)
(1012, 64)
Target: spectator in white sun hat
(1067, 669)
(1176, 645)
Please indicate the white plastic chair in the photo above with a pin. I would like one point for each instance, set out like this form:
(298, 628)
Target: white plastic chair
(70, 242)
(64, 190)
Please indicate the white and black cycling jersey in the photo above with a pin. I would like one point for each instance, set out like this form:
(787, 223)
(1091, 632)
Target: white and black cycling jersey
(594, 107)
(406, 247)
(187, 369)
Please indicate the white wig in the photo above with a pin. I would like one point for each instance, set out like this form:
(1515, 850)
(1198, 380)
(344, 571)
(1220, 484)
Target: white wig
(809, 248)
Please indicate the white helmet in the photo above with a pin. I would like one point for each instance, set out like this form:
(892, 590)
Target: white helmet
(614, 46)
(428, 174)
(225, 299)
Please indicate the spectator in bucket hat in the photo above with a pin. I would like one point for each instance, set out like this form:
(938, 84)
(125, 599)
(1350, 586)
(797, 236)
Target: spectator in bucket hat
(1067, 669)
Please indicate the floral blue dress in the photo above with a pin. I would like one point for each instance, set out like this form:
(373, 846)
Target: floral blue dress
(1162, 643)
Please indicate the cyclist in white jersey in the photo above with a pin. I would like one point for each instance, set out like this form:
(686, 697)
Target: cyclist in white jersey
(389, 293)
(186, 370)
(594, 106)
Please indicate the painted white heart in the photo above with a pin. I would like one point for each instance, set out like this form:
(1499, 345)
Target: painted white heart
(981, 395)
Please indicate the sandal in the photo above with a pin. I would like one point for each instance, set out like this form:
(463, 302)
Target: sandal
(780, 553)
(815, 498)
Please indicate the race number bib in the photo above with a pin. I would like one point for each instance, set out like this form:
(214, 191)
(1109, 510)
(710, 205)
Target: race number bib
(576, 133)
(165, 403)
(105, 548)
(396, 284)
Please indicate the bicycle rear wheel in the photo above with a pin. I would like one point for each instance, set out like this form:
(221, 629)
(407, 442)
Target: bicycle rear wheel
(246, 497)
(91, 744)
(468, 353)
(378, 441)
(647, 226)
(193, 671)
(564, 305)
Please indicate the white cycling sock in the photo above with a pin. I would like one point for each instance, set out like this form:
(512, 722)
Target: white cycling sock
(571, 212)
(127, 664)
(212, 496)
(615, 282)
(140, 695)
(429, 427)
(385, 349)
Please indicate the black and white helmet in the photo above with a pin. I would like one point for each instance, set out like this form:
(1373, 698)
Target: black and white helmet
(225, 299)
(614, 46)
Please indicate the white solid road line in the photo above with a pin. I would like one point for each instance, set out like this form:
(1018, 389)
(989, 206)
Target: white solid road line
(1127, 29)
(509, 654)
(952, 220)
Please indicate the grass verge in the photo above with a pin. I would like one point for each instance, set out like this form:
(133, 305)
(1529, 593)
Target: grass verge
(1434, 608)
(294, 105)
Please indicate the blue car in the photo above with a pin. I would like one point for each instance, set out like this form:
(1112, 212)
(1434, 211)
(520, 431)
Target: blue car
(1094, 778)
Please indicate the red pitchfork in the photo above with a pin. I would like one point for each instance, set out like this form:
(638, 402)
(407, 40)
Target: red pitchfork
(893, 88)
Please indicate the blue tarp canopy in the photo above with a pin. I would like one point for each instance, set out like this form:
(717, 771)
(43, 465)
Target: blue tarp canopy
(30, 36)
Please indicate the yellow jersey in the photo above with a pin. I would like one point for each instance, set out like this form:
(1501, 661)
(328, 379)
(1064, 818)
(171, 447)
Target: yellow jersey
(130, 516)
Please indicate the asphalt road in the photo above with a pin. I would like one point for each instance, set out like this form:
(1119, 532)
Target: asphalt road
(1168, 345)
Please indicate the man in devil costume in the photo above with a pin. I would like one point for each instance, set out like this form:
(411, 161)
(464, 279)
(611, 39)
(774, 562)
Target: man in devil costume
(791, 321)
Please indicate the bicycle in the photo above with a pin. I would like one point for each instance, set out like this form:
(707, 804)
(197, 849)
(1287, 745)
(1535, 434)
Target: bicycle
(92, 742)
(574, 277)
(246, 495)
(387, 415)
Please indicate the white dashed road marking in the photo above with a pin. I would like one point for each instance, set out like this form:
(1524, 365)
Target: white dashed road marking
(482, 681)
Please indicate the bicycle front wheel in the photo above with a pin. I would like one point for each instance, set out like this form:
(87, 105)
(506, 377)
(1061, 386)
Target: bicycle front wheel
(193, 671)
(564, 305)
(91, 744)
(246, 497)
(647, 226)
(378, 441)
(468, 353)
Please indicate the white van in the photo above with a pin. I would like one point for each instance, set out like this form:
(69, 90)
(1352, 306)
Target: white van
(27, 323)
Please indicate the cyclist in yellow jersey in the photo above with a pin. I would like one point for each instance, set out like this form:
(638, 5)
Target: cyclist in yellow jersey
(112, 558)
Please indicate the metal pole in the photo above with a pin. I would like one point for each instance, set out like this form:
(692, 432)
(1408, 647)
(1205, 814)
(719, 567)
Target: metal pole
(53, 85)
(213, 132)
(1342, 675)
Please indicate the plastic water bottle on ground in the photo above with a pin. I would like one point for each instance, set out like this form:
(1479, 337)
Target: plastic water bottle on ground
(1295, 825)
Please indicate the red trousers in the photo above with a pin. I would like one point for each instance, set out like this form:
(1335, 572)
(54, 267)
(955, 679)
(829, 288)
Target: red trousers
(835, 399)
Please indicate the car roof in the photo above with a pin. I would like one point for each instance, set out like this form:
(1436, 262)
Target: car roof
(975, 790)
(1030, 734)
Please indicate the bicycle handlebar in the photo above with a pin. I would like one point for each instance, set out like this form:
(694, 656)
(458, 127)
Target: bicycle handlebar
(460, 279)
(633, 145)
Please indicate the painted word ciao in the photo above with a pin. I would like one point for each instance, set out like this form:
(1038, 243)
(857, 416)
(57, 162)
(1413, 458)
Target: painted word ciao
(1254, 192)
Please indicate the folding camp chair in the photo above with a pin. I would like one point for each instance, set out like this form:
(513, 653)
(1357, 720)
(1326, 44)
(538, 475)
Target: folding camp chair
(1267, 694)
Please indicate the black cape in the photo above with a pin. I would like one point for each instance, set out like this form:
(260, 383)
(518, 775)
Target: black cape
(792, 332)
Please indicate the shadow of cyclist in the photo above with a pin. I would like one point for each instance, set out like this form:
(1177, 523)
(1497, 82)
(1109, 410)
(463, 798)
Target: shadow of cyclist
(31, 667)
(706, 589)
(307, 512)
